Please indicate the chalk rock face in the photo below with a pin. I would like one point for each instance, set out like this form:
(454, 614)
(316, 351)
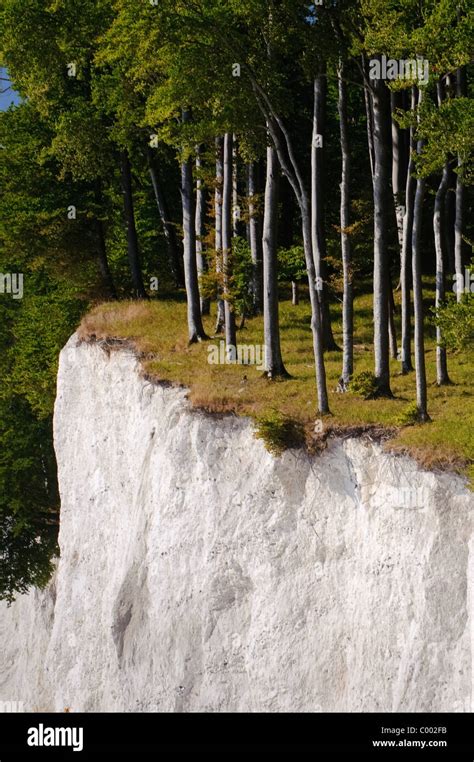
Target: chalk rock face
(200, 573)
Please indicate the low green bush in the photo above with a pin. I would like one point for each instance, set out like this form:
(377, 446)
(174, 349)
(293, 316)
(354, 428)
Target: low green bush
(279, 432)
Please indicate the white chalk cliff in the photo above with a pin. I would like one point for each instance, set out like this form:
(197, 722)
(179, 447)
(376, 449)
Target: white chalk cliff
(198, 572)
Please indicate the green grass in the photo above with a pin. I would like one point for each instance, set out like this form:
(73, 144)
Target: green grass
(157, 329)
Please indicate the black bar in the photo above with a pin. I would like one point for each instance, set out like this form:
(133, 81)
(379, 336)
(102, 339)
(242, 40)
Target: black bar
(425, 736)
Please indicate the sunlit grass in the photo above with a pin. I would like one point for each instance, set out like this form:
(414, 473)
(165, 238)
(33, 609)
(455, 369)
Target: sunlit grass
(157, 330)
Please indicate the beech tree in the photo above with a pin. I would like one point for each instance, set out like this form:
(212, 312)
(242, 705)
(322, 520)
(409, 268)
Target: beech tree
(220, 319)
(405, 267)
(169, 230)
(419, 343)
(441, 356)
(318, 237)
(255, 234)
(273, 359)
(348, 292)
(230, 329)
(200, 227)
(381, 102)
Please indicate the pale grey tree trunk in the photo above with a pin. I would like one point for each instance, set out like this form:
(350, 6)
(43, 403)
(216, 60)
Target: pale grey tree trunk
(199, 224)
(405, 269)
(283, 144)
(458, 225)
(295, 293)
(369, 114)
(318, 241)
(442, 377)
(169, 231)
(230, 329)
(450, 200)
(392, 329)
(399, 165)
(235, 188)
(220, 318)
(195, 328)
(371, 143)
(397, 186)
(441, 355)
(458, 236)
(399, 170)
(255, 236)
(449, 218)
(419, 343)
(271, 325)
(382, 207)
(316, 327)
(348, 289)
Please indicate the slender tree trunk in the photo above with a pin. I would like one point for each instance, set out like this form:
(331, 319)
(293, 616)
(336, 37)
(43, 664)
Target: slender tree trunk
(369, 110)
(286, 155)
(195, 327)
(458, 225)
(316, 327)
(169, 231)
(442, 377)
(399, 165)
(132, 238)
(255, 236)
(405, 270)
(449, 220)
(382, 207)
(392, 329)
(450, 200)
(318, 241)
(200, 215)
(458, 237)
(236, 226)
(441, 355)
(271, 325)
(220, 319)
(370, 123)
(421, 388)
(230, 330)
(106, 275)
(398, 185)
(295, 293)
(348, 294)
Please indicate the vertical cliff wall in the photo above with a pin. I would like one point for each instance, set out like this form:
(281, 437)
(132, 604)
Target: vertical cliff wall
(198, 572)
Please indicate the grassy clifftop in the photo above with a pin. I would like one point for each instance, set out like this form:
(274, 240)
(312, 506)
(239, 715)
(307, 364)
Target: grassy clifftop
(157, 331)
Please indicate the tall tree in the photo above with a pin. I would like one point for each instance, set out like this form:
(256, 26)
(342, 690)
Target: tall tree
(273, 360)
(419, 343)
(399, 164)
(220, 319)
(175, 258)
(458, 224)
(318, 239)
(230, 329)
(348, 290)
(200, 218)
(195, 327)
(441, 355)
(381, 110)
(255, 235)
(405, 268)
